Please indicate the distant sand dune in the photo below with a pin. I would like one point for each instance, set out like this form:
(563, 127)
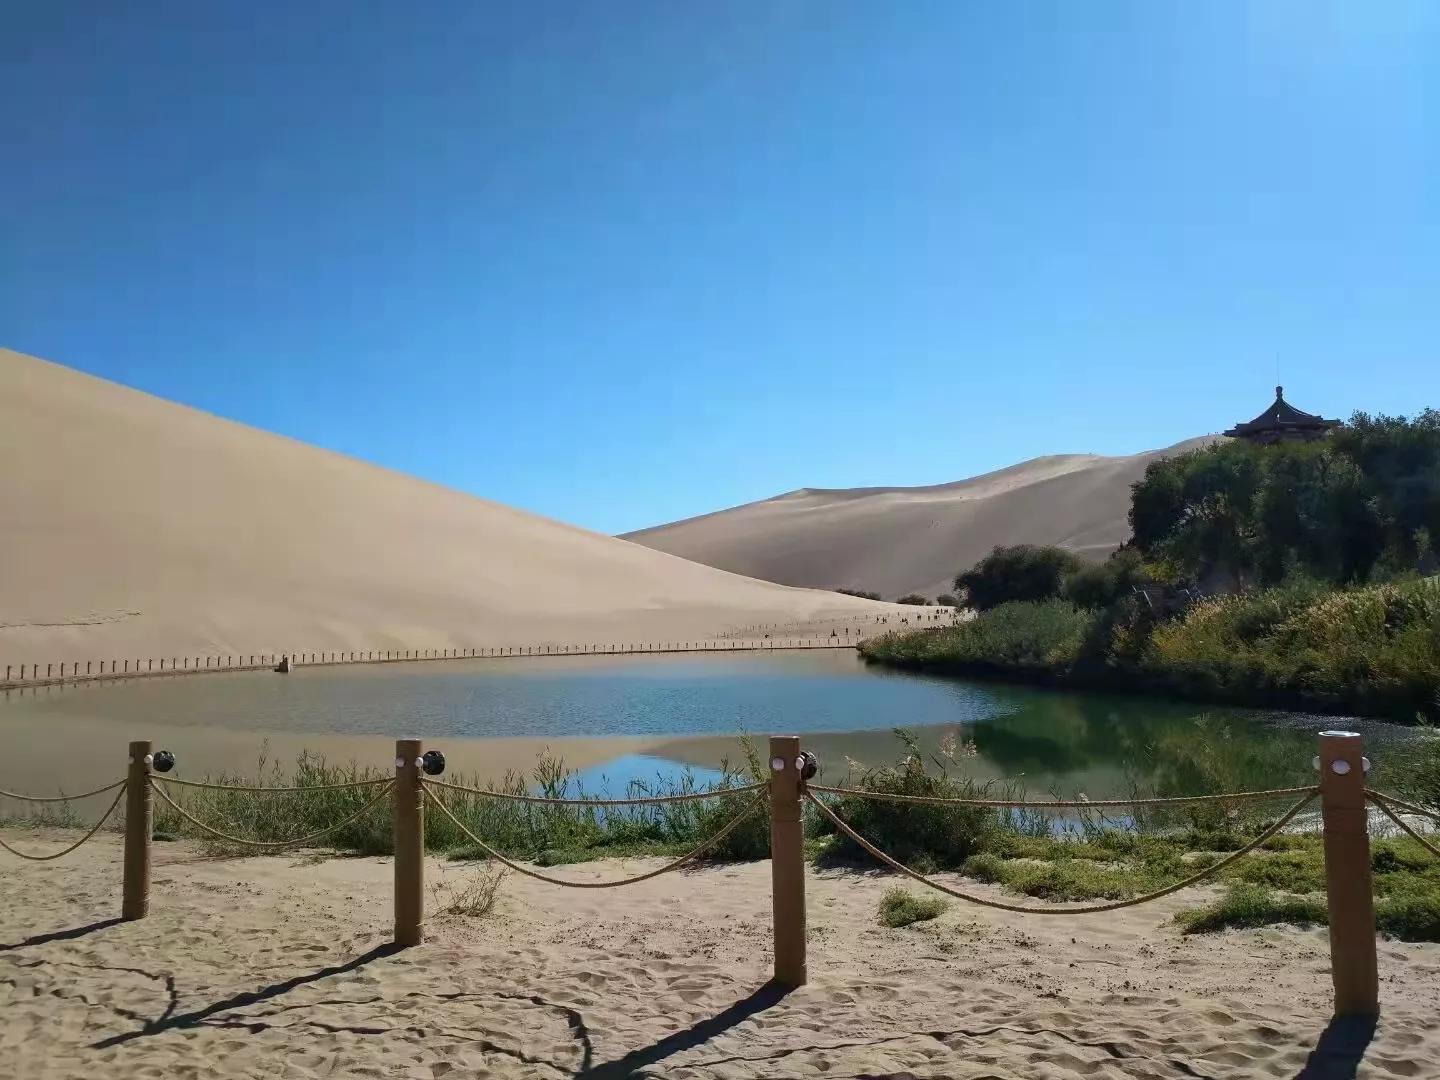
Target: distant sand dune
(131, 526)
(895, 540)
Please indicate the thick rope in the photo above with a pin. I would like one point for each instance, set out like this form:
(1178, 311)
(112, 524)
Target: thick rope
(271, 790)
(61, 798)
(733, 824)
(1426, 844)
(267, 845)
(1402, 804)
(1090, 909)
(713, 793)
(47, 858)
(1007, 804)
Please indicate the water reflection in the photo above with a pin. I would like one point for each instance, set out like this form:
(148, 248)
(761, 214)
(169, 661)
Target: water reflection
(623, 718)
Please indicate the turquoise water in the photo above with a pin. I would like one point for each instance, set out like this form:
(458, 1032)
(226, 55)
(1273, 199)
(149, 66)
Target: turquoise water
(689, 709)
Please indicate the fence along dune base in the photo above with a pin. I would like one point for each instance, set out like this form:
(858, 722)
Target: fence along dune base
(1342, 791)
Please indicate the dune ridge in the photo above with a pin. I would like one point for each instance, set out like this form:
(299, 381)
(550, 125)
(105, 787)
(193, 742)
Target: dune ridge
(896, 540)
(135, 526)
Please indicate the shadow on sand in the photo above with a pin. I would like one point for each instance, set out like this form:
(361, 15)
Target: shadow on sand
(61, 935)
(693, 1036)
(170, 1020)
(1340, 1048)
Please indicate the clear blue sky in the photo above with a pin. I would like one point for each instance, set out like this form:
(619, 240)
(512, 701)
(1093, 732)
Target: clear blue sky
(625, 262)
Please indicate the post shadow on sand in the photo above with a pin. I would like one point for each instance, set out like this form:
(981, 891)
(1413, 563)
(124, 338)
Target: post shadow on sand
(170, 1022)
(693, 1036)
(60, 935)
(1340, 1049)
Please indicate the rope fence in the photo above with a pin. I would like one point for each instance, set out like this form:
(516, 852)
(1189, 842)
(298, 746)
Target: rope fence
(270, 845)
(1383, 802)
(66, 851)
(272, 790)
(694, 796)
(739, 819)
(1058, 804)
(1088, 909)
(1342, 791)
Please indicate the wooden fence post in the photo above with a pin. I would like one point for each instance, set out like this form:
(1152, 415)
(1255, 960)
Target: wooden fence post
(1347, 874)
(787, 860)
(409, 844)
(136, 891)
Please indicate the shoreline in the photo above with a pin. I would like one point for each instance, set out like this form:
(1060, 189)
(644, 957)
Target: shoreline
(1134, 684)
(496, 652)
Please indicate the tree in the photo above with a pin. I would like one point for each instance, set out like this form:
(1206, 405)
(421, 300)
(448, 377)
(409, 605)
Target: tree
(1022, 572)
(1101, 585)
(861, 593)
(946, 599)
(913, 598)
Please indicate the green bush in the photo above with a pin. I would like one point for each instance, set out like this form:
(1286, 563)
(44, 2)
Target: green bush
(901, 908)
(524, 830)
(1249, 905)
(1103, 584)
(917, 834)
(1410, 916)
(1042, 635)
(1023, 572)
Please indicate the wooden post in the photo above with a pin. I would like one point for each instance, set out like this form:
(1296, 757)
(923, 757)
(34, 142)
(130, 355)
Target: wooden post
(409, 845)
(136, 903)
(787, 861)
(1347, 874)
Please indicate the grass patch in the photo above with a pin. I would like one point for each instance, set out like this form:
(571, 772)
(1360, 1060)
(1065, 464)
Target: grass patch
(474, 898)
(899, 907)
(1249, 905)
(553, 834)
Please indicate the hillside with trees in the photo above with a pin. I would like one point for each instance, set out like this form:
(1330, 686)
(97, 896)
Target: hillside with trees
(1298, 574)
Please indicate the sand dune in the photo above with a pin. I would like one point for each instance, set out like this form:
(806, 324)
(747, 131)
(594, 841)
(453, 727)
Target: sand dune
(896, 540)
(274, 967)
(133, 526)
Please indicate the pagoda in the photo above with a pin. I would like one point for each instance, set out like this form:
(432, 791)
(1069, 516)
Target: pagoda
(1282, 422)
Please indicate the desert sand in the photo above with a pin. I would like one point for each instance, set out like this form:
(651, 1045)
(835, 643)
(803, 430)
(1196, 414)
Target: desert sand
(896, 540)
(278, 967)
(136, 527)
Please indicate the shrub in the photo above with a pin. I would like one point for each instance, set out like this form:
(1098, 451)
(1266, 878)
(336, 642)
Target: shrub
(1410, 916)
(932, 836)
(1103, 584)
(913, 598)
(1249, 905)
(861, 593)
(1014, 635)
(901, 908)
(474, 899)
(1022, 572)
(946, 599)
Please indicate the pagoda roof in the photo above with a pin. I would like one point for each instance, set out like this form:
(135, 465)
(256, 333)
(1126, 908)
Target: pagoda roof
(1282, 416)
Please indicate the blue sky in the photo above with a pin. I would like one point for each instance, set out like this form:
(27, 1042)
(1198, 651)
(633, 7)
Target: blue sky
(622, 263)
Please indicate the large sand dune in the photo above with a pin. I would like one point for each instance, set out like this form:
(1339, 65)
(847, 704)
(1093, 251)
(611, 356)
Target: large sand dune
(895, 540)
(131, 526)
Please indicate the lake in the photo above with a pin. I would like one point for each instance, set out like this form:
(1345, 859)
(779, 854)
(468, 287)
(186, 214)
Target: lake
(620, 718)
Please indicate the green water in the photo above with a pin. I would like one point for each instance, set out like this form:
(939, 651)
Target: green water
(669, 712)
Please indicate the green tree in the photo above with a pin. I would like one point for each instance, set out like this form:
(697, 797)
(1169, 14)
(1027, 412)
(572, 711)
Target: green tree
(1101, 585)
(1021, 572)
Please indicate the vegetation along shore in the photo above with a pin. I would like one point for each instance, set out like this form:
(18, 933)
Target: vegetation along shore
(1297, 575)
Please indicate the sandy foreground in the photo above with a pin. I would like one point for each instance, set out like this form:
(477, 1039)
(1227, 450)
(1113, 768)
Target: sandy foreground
(278, 967)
